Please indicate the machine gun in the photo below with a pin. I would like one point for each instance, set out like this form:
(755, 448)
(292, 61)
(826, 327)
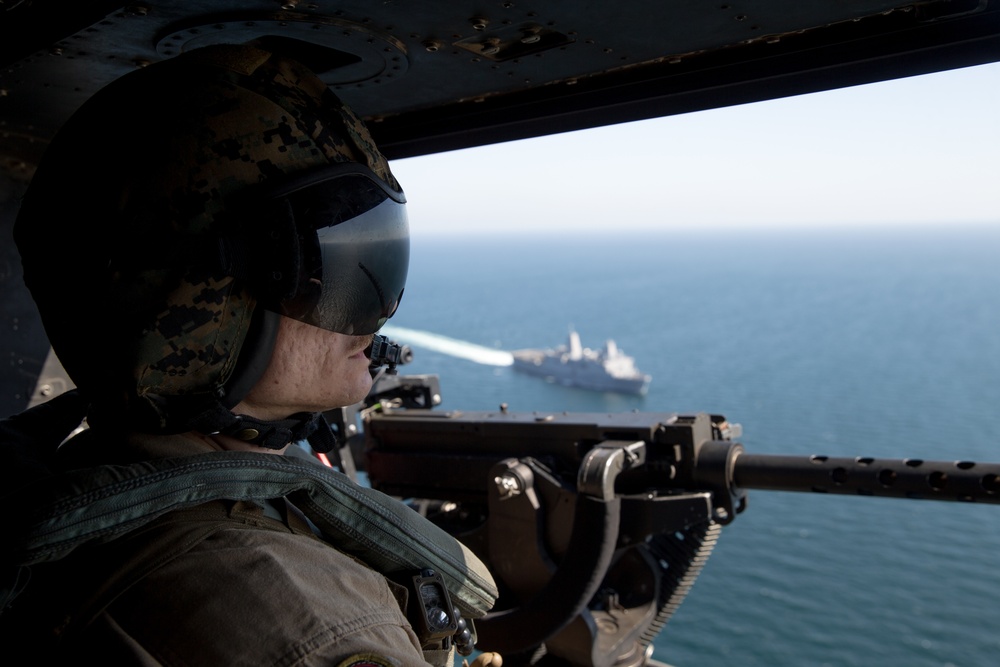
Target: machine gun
(596, 525)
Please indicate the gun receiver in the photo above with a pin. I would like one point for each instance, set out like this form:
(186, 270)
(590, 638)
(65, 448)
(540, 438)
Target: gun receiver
(596, 525)
(449, 455)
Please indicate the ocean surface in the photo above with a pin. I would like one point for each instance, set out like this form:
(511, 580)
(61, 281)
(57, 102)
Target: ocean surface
(882, 343)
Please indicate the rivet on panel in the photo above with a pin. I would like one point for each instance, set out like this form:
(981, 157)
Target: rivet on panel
(490, 47)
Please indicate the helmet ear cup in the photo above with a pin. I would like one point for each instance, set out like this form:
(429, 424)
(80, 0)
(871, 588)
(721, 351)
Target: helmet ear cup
(254, 356)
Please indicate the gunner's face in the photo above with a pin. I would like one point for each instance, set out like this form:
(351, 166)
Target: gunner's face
(311, 370)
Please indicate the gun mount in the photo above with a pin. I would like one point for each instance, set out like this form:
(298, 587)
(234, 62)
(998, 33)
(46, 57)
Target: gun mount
(597, 525)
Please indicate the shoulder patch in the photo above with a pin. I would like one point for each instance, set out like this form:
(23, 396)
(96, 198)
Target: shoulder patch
(368, 660)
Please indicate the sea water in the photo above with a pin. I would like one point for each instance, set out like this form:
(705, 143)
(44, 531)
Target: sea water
(852, 342)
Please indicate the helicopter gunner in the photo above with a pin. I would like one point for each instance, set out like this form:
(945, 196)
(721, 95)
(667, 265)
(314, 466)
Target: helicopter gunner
(212, 242)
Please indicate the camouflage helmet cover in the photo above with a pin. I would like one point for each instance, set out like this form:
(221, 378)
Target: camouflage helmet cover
(163, 156)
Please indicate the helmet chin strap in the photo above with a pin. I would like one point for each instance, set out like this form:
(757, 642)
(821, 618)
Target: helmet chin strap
(279, 433)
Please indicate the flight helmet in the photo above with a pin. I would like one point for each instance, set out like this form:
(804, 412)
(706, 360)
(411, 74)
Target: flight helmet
(185, 208)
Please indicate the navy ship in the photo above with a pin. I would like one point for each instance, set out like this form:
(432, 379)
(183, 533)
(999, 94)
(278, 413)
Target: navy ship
(607, 369)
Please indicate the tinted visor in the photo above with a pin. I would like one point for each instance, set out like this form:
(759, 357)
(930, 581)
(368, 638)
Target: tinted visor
(355, 247)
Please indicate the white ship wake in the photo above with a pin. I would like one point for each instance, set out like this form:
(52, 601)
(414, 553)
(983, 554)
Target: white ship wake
(450, 346)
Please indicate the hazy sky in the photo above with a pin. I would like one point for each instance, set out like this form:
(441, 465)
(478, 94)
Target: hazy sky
(923, 149)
